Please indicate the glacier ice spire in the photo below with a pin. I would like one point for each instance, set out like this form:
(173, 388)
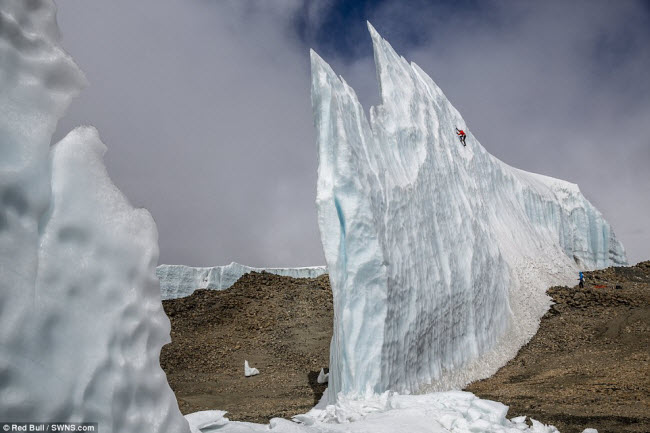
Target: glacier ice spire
(81, 321)
(439, 255)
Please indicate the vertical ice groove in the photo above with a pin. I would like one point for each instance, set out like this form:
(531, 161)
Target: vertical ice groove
(440, 269)
(348, 229)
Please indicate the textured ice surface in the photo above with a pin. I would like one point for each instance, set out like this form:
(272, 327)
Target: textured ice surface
(177, 281)
(455, 411)
(81, 323)
(439, 255)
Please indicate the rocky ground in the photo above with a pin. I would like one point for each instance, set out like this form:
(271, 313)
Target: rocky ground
(589, 363)
(281, 325)
(588, 366)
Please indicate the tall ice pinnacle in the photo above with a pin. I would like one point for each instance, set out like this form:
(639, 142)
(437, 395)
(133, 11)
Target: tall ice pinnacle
(439, 255)
(81, 321)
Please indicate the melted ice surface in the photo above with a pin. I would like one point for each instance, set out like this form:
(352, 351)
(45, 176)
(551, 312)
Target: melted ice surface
(439, 255)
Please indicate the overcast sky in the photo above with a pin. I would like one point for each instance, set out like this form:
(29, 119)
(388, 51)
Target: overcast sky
(205, 109)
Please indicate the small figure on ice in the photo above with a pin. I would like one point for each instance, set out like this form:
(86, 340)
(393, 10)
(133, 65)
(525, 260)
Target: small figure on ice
(461, 134)
(582, 280)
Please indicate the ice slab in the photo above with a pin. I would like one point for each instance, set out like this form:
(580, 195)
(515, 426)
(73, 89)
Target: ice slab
(177, 281)
(439, 255)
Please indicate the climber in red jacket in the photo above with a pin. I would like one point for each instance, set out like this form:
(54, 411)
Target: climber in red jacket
(461, 135)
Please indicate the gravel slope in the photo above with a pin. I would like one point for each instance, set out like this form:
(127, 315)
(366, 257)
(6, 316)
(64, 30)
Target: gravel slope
(281, 325)
(589, 363)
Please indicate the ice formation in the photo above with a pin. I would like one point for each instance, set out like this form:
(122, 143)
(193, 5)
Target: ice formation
(248, 371)
(81, 322)
(439, 255)
(444, 412)
(177, 281)
(322, 376)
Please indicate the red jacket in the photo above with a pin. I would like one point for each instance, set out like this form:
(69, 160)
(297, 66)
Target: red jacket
(461, 132)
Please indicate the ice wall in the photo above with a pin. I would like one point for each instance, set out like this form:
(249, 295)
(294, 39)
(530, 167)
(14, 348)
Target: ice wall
(439, 255)
(81, 323)
(177, 281)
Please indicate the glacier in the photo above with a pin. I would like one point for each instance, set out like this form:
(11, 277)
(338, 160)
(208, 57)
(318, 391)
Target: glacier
(81, 321)
(177, 281)
(439, 255)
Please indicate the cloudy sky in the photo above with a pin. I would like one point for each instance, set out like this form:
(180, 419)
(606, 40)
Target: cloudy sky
(205, 107)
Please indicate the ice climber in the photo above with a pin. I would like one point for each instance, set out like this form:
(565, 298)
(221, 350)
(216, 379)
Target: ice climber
(582, 280)
(461, 135)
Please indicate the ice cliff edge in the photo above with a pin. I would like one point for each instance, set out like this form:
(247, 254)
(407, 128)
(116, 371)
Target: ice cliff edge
(439, 255)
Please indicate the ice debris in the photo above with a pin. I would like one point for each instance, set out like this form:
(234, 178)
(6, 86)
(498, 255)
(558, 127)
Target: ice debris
(322, 376)
(248, 371)
(207, 419)
(444, 412)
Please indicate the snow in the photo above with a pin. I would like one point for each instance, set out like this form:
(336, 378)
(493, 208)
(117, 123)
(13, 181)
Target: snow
(443, 412)
(177, 281)
(439, 255)
(81, 321)
(248, 371)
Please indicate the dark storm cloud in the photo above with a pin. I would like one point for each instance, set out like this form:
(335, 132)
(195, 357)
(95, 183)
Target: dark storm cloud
(204, 105)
